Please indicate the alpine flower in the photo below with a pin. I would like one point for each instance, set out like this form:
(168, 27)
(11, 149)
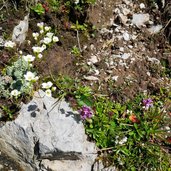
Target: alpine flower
(9, 44)
(47, 85)
(30, 76)
(147, 103)
(86, 113)
(55, 39)
(29, 58)
(48, 93)
(15, 93)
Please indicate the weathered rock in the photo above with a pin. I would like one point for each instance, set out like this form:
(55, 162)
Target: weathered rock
(155, 29)
(140, 19)
(19, 32)
(47, 129)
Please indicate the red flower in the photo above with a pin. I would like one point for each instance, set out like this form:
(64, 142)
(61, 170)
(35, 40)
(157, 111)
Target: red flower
(45, 6)
(168, 140)
(134, 119)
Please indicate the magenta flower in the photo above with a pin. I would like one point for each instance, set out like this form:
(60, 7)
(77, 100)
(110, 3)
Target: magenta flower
(86, 113)
(148, 103)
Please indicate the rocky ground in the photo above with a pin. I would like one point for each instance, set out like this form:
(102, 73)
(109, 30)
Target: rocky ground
(127, 52)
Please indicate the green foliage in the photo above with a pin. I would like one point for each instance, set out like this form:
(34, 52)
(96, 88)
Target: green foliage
(133, 145)
(78, 27)
(75, 51)
(134, 138)
(38, 9)
(54, 5)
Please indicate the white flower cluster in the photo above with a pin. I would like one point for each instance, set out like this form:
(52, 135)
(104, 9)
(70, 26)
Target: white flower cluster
(121, 141)
(46, 38)
(43, 39)
(48, 88)
(9, 44)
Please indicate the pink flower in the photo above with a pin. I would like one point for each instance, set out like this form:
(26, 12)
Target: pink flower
(148, 103)
(86, 113)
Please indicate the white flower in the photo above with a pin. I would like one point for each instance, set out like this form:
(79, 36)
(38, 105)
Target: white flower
(142, 5)
(77, 1)
(124, 140)
(35, 35)
(41, 31)
(15, 93)
(47, 85)
(39, 55)
(47, 28)
(47, 40)
(40, 25)
(9, 44)
(20, 52)
(49, 34)
(37, 49)
(44, 46)
(29, 58)
(30, 76)
(48, 93)
(55, 39)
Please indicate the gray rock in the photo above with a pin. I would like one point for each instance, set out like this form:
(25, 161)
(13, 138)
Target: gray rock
(140, 19)
(49, 131)
(19, 31)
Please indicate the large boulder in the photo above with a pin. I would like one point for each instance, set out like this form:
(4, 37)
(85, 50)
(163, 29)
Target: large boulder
(48, 134)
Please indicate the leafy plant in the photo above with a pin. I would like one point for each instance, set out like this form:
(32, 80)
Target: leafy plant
(75, 51)
(38, 9)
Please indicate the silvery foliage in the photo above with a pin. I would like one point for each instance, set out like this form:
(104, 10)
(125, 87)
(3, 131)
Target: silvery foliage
(13, 78)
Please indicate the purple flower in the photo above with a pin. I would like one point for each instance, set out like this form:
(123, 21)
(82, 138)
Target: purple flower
(148, 103)
(86, 113)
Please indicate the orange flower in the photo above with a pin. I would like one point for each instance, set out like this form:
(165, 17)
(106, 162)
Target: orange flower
(134, 119)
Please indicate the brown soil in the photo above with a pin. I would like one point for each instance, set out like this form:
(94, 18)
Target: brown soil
(58, 59)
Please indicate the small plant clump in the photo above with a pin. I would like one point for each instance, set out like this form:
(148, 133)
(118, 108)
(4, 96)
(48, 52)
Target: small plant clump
(130, 136)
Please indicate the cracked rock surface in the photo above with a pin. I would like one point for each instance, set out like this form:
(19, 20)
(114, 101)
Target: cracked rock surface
(46, 134)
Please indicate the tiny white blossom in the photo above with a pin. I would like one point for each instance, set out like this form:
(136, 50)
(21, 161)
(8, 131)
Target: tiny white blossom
(9, 44)
(124, 140)
(39, 55)
(49, 34)
(29, 42)
(37, 49)
(35, 35)
(20, 52)
(30, 65)
(48, 93)
(41, 31)
(30, 76)
(47, 28)
(142, 5)
(47, 40)
(55, 39)
(77, 1)
(15, 93)
(44, 46)
(29, 58)
(47, 85)
(40, 25)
